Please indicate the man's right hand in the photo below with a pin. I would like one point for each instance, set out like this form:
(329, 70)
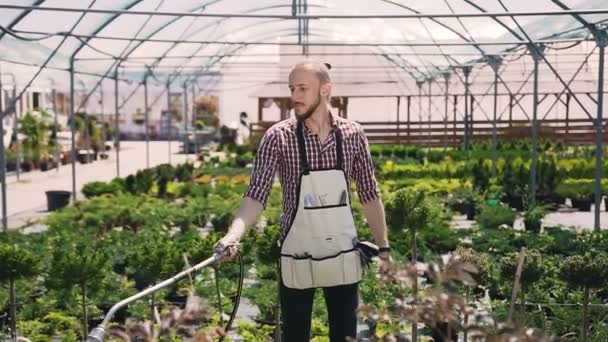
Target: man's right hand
(227, 248)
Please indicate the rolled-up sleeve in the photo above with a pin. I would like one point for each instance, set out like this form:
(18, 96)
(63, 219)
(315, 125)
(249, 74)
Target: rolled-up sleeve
(264, 168)
(363, 170)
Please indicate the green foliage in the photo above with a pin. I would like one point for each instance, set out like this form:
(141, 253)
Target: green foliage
(154, 257)
(16, 262)
(577, 189)
(267, 242)
(409, 210)
(480, 261)
(589, 270)
(60, 323)
(265, 296)
(494, 217)
(461, 197)
(533, 217)
(78, 260)
(532, 268)
(34, 330)
(255, 332)
(100, 188)
(36, 132)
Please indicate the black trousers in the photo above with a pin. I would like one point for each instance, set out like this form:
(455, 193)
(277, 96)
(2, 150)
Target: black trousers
(296, 308)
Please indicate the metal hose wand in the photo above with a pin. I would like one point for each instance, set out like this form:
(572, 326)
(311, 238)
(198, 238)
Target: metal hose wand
(97, 334)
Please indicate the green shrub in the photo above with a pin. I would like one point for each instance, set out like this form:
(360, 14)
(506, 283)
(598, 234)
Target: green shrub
(94, 189)
(577, 189)
(494, 217)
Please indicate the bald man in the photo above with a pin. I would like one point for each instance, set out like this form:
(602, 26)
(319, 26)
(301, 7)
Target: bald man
(317, 154)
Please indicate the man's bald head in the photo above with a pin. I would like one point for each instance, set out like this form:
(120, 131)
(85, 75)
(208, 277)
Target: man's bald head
(321, 70)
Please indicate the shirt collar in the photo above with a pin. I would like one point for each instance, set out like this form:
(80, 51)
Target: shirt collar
(332, 118)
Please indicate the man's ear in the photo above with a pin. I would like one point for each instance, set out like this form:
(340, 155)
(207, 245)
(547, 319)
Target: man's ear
(326, 89)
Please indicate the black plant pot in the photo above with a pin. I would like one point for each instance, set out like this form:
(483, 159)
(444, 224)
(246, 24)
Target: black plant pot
(582, 205)
(82, 158)
(26, 166)
(57, 199)
(11, 166)
(46, 165)
(515, 202)
(533, 227)
(470, 211)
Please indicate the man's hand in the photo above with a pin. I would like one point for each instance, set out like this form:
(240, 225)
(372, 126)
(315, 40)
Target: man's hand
(227, 247)
(385, 261)
(385, 256)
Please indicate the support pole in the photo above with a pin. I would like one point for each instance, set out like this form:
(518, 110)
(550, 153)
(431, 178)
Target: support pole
(419, 135)
(73, 129)
(455, 116)
(409, 105)
(494, 62)
(430, 133)
(116, 125)
(567, 120)
(56, 124)
(446, 78)
(398, 124)
(186, 139)
(16, 130)
(87, 136)
(511, 110)
(537, 52)
(3, 160)
(146, 120)
(170, 121)
(467, 72)
(104, 135)
(601, 36)
(196, 147)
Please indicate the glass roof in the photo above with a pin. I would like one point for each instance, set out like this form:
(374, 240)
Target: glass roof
(252, 43)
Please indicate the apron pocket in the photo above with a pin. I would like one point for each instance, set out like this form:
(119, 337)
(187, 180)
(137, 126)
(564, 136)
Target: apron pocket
(296, 273)
(342, 269)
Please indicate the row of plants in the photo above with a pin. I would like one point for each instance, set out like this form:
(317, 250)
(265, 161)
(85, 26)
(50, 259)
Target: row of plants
(480, 149)
(39, 146)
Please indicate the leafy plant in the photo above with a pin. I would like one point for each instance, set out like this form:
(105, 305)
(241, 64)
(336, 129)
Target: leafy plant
(493, 217)
(78, 261)
(589, 271)
(93, 189)
(533, 217)
(16, 263)
(531, 272)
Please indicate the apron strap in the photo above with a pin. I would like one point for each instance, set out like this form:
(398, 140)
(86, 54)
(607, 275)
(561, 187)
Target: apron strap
(339, 151)
(302, 148)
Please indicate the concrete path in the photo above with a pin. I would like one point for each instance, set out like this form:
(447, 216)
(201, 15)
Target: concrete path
(26, 198)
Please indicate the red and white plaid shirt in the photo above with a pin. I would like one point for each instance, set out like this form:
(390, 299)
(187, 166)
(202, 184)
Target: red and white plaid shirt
(278, 150)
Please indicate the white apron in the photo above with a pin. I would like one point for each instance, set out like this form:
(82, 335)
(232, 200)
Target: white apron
(319, 247)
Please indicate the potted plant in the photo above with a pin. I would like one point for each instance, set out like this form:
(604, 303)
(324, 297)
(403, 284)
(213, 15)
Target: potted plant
(533, 217)
(493, 217)
(465, 200)
(589, 271)
(580, 192)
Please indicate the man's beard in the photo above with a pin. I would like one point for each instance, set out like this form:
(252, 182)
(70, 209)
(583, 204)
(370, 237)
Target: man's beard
(311, 110)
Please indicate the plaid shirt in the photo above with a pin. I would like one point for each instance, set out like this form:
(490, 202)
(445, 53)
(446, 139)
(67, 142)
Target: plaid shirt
(278, 151)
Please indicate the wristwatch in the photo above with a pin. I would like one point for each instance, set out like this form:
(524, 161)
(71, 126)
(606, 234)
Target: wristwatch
(384, 249)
